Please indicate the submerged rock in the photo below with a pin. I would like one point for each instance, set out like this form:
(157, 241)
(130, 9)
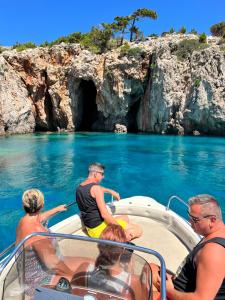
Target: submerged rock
(68, 88)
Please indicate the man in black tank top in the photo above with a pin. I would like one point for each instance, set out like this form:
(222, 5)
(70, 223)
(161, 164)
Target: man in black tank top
(94, 213)
(202, 274)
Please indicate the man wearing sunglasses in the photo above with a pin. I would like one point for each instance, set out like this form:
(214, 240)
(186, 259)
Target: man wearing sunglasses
(202, 275)
(94, 213)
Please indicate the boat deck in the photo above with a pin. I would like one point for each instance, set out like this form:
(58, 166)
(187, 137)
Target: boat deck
(155, 236)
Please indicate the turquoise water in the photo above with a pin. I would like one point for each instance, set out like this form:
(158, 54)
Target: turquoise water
(136, 164)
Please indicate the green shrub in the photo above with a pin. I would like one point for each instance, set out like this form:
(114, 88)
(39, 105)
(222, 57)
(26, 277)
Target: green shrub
(153, 66)
(193, 31)
(186, 47)
(153, 35)
(135, 52)
(165, 33)
(74, 37)
(45, 44)
(218, 29)
(126, 50)
(20, 47)
(182, 30)
(203, 38)
(197, 82)
(71, 38)
(97, 40)
(171, 30)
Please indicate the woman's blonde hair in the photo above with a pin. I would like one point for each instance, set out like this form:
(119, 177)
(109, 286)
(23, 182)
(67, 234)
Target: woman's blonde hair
(33, 200)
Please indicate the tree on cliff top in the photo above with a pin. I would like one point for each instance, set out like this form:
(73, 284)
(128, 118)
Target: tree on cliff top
(98, 38)
(141, 13)
(218, 29)
(121, 24)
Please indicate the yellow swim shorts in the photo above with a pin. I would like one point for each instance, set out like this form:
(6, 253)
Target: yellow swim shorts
(96, 231)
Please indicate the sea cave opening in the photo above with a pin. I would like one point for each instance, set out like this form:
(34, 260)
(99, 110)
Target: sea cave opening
(132, 116)
(88, 112)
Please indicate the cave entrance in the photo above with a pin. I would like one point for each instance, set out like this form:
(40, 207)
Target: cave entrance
(87, 105)
(132, 116)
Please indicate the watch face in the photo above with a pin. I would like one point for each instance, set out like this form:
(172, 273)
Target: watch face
(63, 285)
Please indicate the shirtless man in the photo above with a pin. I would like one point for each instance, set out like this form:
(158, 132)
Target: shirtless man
(94, 213)
(202, 276)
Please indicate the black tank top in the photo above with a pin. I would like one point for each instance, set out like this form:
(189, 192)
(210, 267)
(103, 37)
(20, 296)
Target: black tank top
(90, 213)
(186, 278)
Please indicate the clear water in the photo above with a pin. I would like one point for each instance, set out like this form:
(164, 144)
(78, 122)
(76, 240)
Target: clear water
(149, 165)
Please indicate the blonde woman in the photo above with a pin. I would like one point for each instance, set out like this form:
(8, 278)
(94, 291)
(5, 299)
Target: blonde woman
(43, 263)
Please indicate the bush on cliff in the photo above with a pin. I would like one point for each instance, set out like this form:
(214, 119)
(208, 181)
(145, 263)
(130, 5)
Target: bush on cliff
(186, 47)
(203, 38)
(183, 30)
(126, 50)
(20, 47)
(97, 40)
(218, 29)
(74, 37)
(153, 35)
(194, 31)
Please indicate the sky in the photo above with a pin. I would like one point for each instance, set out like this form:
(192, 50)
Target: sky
(45, 20)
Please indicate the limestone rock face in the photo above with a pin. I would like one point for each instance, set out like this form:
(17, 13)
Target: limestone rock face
(16, 107)
(66, 87)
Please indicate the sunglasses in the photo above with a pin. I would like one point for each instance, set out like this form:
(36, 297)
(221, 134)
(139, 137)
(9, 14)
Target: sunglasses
(196, 219)
(100, 172)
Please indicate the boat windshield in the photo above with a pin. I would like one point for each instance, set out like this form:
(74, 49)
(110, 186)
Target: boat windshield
(99, 271)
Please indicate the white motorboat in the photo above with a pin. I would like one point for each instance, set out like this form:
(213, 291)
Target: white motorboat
(167, 238)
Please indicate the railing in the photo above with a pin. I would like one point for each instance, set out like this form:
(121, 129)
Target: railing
(106, 242)
(6, 251)
(177, 198)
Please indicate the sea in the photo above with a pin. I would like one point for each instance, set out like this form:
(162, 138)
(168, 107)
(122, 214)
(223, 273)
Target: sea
(136, 164)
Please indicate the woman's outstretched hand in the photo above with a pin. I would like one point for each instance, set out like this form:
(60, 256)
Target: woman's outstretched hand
(62, 207)
(115, 195)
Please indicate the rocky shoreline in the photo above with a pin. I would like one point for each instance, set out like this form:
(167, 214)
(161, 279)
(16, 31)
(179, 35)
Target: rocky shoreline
(66, 87)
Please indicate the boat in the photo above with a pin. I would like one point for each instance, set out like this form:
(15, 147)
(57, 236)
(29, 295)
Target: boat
(167, 239)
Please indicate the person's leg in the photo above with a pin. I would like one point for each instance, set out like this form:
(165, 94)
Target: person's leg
(75, 262)
(155, 275)
(133, 231)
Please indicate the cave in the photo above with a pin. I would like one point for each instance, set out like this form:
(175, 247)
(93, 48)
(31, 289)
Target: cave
(50, 123)
(87, 107)
(132, 125)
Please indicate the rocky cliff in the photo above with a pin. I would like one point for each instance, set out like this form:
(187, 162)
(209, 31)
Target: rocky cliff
(66, 87)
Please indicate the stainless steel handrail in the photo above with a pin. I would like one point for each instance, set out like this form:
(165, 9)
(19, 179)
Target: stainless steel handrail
(175, 197)
(7, 250)
(106, 242)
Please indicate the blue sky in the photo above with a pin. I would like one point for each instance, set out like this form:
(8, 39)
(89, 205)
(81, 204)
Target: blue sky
(41, 20)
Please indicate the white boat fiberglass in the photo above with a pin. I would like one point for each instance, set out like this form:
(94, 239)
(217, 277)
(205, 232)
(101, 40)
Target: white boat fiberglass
(167, 238)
